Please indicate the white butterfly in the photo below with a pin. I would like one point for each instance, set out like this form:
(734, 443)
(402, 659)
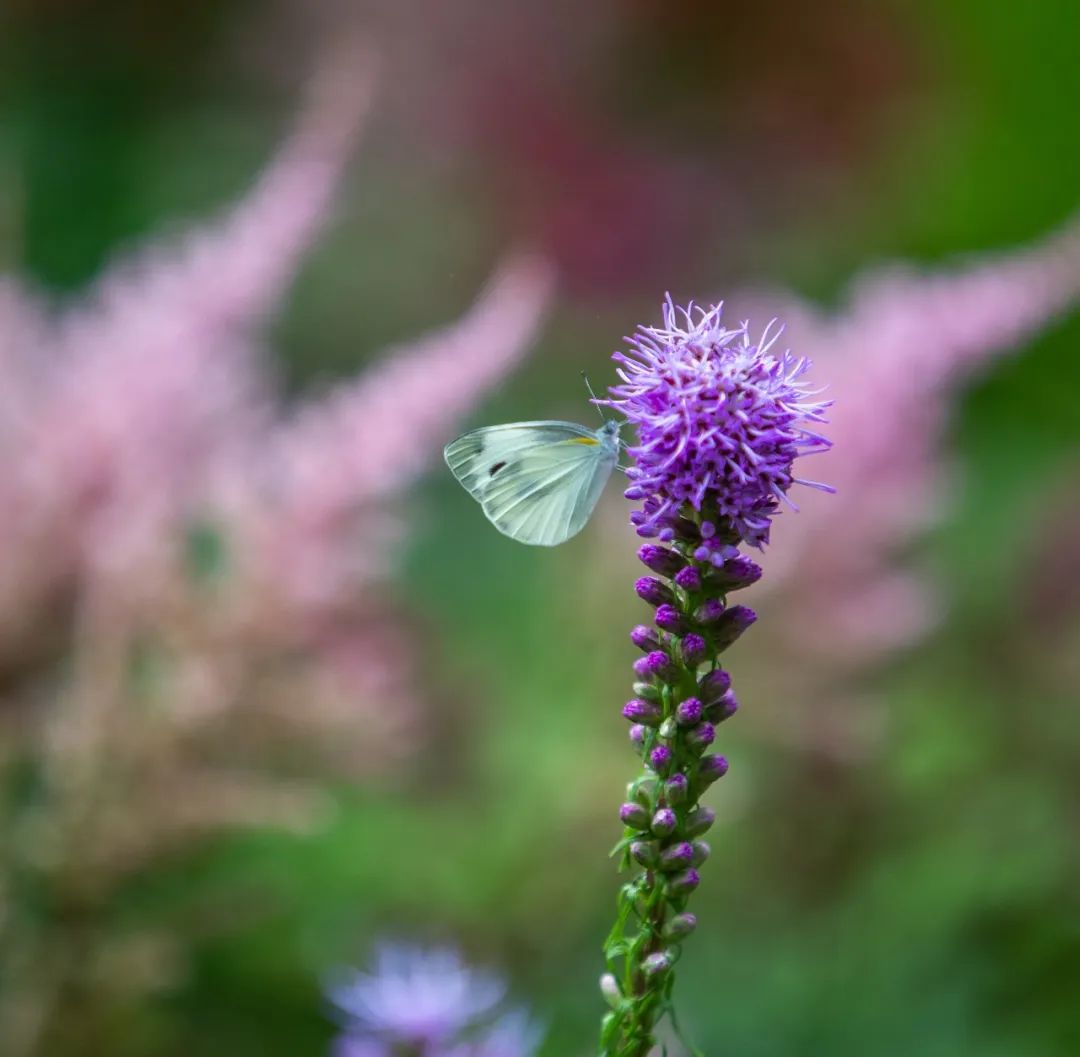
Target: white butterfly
(537, 482)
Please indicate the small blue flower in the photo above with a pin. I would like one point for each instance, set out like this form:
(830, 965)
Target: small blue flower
(414, 997)
(513, 1035)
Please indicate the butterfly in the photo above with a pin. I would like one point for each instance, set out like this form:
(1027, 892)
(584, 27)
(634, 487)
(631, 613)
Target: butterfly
(537, 482)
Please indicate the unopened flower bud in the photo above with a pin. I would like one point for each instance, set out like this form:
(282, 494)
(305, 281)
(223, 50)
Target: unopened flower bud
(702, 851)
(680, 528)
(661, 560)
(644, 638)
(609, 988)
(670, 619)
(634, 815)
(734, 622)
(677, 857)
(657, 963)
(676, 789)
(655, 663)
(735, 574)
(660, 759)
(724, 708)
(699, 820)
(688, 578)
(668, 728)
(680, 926)
(637, 735)
(711, 768)
(638, 711)
(649, 691)
(645, 852)
(641, 791)
(684, 883)
(701, 737)
(694, 650)
(689, 712)
(664, 822)
(653, 591)
(712, 686)
(709, 612)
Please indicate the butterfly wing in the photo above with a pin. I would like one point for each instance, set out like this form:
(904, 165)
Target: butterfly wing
(537, 482)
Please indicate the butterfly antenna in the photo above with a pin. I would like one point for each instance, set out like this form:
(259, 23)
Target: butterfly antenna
(588, 385)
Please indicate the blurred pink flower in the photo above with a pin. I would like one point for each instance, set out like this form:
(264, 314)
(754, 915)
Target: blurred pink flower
(145, 381)
(343, 456)
(840, 593)
(144, 418)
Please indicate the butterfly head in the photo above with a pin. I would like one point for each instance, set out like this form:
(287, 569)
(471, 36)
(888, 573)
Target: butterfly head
(608, 433)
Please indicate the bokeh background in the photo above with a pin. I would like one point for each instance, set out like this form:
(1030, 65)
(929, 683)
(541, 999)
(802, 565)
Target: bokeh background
(272, 690)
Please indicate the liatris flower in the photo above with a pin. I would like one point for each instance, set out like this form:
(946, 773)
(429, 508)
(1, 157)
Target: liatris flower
(720, 422)
(429, 1003)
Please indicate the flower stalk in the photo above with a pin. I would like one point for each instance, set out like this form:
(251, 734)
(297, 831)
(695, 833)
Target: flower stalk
(720, 422)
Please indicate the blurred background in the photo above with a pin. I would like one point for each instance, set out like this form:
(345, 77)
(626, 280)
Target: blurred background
(272, 690)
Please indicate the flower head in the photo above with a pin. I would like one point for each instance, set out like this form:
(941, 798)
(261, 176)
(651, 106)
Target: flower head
(720, 421)
(514, 1034)
(415, 996)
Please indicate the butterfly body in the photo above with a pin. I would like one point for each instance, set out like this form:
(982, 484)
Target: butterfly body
(537, 482)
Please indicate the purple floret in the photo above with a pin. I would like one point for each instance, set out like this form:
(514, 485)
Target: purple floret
(720, 421)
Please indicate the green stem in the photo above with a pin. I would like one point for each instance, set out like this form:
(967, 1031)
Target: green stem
(644, 944)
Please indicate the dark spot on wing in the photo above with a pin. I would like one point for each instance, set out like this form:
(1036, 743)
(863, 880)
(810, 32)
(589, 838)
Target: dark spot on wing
(496, 468)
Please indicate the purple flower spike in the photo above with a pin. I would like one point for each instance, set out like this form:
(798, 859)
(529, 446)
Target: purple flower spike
(684, 883)
(701, 737)
(720, 419)
(645, 712)
(699, 821)
(724, 708)
(710, 611)
(736, 573)
(660, 759)
(688, 578)
(644, 638)
(733, 623)
(714, 685)
(670, 619)
(689, 712)
(711, 768)
(653, 591)
(677, 857)
(680, 926)
(657, 963)
(676, 789)
(694, 650)
(655, 663)
(661, 560)
(645, 852)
